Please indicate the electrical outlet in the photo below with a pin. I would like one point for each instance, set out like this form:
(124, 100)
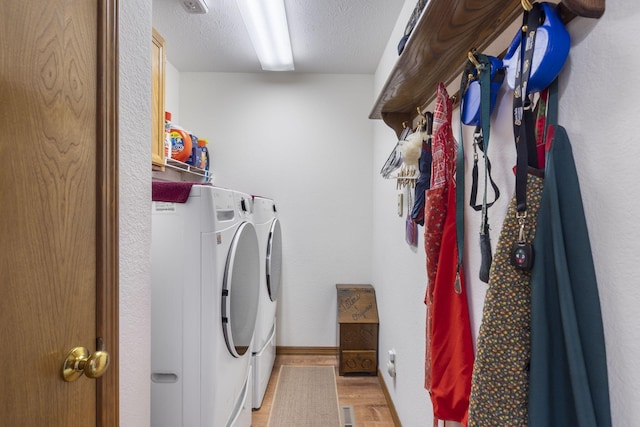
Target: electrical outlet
(400, 204)
(391, 364)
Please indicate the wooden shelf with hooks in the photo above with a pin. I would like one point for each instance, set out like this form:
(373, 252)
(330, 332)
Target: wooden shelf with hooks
(437, 49)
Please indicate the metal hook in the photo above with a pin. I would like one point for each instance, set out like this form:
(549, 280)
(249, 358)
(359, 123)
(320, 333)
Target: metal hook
(526, 5)
(473, 60)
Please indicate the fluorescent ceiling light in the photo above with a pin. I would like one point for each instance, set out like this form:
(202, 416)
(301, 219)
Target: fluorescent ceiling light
(266, 22)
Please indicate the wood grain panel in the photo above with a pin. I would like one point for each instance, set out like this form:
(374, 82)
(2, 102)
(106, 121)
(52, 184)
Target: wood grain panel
(306, 351)
(48, 187)
(437, 50)
(158, 64)
(107, 233)
(586, 8)
(438, 47)
(59, 193)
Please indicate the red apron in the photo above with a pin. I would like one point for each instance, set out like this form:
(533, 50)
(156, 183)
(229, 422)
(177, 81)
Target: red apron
(449, 347)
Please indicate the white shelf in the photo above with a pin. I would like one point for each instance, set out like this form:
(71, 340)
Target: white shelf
(184, 168)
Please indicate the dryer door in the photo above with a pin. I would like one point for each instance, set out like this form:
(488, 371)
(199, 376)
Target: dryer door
(240, 290)
(274, 260)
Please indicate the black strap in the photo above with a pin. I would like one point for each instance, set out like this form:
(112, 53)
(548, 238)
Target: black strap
(473, 200)
(482, 70)
(467, 75)
(523, 119)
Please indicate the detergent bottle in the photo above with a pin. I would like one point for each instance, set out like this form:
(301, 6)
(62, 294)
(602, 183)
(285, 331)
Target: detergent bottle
(204, 154)
(167, 135)
(180, 143)
(194, 157)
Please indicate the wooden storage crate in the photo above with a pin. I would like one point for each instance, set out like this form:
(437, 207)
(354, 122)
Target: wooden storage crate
(358, 329)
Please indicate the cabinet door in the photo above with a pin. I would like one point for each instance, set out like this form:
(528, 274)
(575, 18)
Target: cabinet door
(157, 101)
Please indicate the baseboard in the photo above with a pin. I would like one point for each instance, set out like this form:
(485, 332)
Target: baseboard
(307, 351)
(387, 396)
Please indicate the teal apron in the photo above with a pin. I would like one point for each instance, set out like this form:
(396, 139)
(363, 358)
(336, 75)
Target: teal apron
(568, 370)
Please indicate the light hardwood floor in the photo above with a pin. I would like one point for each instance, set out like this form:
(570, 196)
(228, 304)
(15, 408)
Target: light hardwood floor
(363, 392)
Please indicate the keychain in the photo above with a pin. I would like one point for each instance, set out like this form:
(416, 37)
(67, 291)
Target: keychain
(522, 252)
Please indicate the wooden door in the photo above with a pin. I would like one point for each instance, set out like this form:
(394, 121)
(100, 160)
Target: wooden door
(58, 198)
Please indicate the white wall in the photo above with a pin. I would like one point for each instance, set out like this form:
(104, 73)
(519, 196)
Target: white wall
(135, 211)
(303, 140)
(398, 271)
(599, 109)
(172, 92)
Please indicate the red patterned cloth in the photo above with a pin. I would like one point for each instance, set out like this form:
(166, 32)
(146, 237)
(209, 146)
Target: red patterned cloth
(434, 216)
(443, 145)
(541, 124)
(443, 149)
(449, 348)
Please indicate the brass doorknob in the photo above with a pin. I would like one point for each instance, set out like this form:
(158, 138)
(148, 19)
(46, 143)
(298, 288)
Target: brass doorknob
(78, 362)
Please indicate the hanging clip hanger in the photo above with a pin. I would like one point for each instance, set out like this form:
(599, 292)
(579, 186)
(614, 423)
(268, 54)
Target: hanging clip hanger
(406, 177)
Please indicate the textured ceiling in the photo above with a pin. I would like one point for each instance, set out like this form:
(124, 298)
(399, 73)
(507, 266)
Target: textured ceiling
(327, 36)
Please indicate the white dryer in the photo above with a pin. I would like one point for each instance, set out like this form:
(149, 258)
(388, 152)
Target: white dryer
(270, 243)
(205, 270)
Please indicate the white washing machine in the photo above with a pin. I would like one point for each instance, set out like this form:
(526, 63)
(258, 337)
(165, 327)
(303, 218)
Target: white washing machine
(270, 243)
(205, 270)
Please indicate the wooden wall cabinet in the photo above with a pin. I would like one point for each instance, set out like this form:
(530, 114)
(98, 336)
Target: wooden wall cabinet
(358, 323)
(157, 100)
